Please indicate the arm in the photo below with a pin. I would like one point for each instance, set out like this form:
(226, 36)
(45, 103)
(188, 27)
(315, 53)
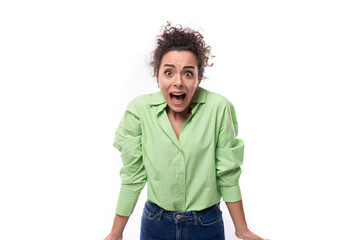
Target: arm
(237, 214)
(229, 158)
(133, 176)
(117, 228)
(128, 140)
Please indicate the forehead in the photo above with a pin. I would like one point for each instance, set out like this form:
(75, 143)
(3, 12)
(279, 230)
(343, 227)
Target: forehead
(180, 58)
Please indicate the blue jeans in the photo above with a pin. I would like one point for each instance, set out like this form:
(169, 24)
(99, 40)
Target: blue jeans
(159, 224)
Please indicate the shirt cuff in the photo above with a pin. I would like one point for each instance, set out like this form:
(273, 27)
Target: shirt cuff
(231, 194)
(126, 201)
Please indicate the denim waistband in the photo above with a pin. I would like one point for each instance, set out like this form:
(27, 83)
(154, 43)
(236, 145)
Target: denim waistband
(179, 214)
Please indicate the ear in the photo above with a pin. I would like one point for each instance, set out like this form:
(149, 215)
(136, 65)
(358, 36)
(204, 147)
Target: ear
(199, 81)
(157, 77)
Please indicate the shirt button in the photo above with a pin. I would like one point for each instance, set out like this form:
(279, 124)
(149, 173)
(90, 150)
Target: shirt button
(178, 216)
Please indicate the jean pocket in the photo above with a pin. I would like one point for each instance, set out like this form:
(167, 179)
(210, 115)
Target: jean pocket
(149, 213)
(211, 218)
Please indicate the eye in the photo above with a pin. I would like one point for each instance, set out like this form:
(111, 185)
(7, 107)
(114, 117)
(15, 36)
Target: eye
(168, 73)
(189, 74)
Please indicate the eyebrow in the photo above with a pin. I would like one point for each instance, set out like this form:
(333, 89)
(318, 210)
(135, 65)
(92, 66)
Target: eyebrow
(173, 66)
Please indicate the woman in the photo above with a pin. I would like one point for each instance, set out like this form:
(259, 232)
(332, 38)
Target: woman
(182, 142)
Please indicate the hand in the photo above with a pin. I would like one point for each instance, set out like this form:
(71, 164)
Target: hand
(112, 237)
(247, 235)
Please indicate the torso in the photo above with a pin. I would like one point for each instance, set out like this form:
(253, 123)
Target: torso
(177, 122)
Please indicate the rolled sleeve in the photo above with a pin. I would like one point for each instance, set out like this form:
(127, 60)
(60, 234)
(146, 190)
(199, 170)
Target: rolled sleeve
(133, 175)
(229, 156)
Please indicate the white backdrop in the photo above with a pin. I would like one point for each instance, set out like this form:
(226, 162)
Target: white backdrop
(69, 68)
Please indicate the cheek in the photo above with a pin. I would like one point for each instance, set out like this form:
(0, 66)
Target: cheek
(160, 83)
(163, 86)
(193, 85)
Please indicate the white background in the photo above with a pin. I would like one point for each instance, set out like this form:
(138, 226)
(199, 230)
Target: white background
(69, 68)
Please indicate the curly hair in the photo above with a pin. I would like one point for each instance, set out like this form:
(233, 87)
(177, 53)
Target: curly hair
(181, 39)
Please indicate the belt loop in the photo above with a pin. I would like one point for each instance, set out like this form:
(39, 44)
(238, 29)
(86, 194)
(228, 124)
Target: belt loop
(195, 218)
(160, 214)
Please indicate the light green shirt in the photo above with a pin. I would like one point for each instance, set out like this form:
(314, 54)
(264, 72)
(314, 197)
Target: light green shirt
(186, 174)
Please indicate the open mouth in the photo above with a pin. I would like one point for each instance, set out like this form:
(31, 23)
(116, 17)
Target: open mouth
(177, 98)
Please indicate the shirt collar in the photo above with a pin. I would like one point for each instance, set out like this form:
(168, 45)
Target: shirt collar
(157, 99)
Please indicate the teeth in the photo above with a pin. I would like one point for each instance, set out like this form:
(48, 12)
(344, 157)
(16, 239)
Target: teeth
(178, 94)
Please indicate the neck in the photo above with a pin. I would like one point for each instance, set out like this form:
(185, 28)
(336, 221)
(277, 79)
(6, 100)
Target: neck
(179, 115)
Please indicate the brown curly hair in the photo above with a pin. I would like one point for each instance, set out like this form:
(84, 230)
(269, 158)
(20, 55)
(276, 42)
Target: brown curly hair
(181, 39)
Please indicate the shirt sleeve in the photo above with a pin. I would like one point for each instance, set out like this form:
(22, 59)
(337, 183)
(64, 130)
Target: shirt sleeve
(229, 156)
(133, 176)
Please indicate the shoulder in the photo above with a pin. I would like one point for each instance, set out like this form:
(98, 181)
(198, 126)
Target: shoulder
(224, 110)
(217, 100)
(138, 103)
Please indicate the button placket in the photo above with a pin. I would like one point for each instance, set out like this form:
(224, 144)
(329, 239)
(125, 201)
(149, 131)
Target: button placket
(181, 174)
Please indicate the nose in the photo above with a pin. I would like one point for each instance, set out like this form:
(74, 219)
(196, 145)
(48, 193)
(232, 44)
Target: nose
(178, 81)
